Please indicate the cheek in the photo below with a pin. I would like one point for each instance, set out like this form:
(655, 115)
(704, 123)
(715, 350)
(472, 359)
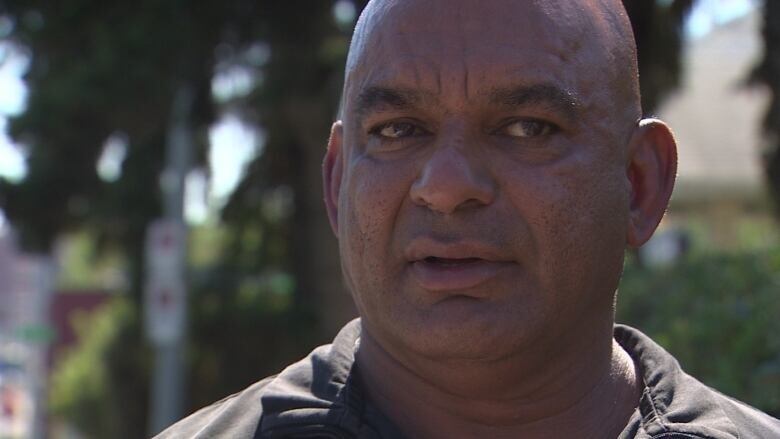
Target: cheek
(576, 213)
(372, 195)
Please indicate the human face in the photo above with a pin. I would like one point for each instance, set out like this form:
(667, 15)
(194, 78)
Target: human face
(479, 178)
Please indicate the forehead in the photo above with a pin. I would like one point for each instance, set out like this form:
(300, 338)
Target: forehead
(462, 22)
(468, 47)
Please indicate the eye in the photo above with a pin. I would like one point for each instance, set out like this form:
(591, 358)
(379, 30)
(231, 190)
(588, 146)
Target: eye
(397, 130)
(528, 128)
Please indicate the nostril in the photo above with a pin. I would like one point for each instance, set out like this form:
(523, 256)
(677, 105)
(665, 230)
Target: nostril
(451, 180)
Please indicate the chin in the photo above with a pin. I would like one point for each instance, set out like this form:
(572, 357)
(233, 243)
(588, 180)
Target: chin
(475, 337)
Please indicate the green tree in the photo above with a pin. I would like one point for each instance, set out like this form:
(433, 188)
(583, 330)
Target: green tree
(767, 72)
(658, 29)
(83, 389)
(98, 69)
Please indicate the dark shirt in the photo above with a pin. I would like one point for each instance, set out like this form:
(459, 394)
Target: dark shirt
(320, 397)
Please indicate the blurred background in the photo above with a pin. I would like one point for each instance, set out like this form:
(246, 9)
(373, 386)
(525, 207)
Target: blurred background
(163, 241)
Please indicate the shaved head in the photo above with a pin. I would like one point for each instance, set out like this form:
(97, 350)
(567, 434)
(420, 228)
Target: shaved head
(507, 122)
(599, 27)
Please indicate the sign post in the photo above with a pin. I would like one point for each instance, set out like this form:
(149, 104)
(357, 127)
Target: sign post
(165, 295)
(164, 300)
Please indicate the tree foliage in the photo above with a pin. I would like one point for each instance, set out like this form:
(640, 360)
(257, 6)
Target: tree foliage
(658, 29)
(767, 72)
(83, 387)
(96, 70)
(102, 68)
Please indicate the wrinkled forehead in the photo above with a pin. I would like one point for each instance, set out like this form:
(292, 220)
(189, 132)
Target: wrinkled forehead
(468, 23)
(471, 42)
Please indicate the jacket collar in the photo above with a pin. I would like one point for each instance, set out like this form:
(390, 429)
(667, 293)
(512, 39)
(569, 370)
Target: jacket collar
(322, 393)
(672, 401)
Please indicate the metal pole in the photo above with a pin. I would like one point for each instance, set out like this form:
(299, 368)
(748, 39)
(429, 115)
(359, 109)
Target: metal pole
(168, 378)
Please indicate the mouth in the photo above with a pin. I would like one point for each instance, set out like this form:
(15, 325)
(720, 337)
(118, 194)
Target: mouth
(459, 275)
(450, 262)
(458, 267)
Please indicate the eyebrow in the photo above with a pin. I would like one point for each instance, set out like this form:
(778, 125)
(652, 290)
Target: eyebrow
(563, 101)
(374, 98)
(549, 95)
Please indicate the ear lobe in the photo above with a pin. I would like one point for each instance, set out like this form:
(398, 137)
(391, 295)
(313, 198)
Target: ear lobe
(652, 169)
(332, 169)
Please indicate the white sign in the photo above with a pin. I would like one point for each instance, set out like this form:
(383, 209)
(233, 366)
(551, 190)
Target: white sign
(165, 244)
(165, 294)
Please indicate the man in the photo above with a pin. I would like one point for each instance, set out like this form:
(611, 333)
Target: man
(488, 171)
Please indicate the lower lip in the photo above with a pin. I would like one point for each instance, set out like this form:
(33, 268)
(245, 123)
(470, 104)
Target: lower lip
(455, 277)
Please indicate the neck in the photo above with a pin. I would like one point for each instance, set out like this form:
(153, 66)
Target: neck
(586, 392)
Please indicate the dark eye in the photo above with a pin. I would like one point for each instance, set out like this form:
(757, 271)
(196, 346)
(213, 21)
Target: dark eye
(397, 130)
(528, 128)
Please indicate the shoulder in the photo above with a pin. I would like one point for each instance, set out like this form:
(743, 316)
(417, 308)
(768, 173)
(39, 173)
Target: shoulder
(237, 415)
(750, 422)
(308, 392)
(676, 405)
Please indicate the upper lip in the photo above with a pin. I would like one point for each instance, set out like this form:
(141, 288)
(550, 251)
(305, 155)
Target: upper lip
(422, 248)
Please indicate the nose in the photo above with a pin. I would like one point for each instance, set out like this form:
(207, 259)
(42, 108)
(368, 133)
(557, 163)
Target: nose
(451, 180)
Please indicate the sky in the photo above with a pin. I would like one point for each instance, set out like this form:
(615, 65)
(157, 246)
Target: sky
(710, 13)
(12, 98)
(233, 143)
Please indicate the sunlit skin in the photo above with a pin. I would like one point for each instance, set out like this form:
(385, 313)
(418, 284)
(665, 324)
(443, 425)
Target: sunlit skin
(490, 168)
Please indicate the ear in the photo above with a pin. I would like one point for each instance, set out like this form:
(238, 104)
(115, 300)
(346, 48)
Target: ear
(332, 169)
(652, 168)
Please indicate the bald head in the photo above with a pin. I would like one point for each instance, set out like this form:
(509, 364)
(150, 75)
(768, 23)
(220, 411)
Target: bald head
(590, 35)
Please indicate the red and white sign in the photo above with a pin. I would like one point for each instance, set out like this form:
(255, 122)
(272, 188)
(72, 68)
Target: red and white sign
(165, 294)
